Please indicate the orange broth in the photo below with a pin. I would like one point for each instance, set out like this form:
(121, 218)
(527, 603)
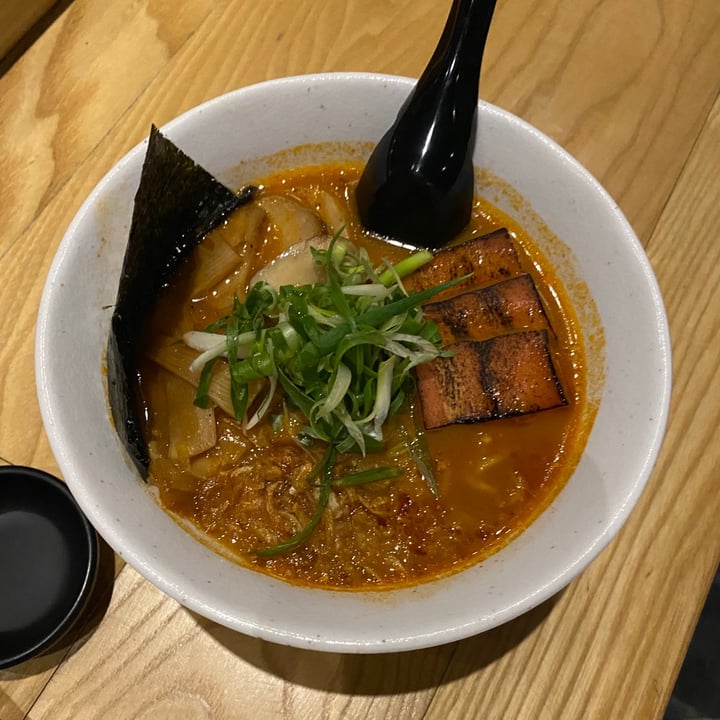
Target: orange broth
(249, 490)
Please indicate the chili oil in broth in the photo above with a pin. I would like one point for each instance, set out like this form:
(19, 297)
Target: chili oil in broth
(249, 490)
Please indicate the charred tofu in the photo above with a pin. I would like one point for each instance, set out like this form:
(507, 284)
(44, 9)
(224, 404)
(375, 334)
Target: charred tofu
(496, 328)
(507, 375)
(508, 306)
(489, 258)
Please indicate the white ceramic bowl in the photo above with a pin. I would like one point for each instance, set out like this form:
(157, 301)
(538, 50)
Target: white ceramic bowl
(630, 376)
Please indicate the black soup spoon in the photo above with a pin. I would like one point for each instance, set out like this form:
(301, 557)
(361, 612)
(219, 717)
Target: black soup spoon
(418, 184)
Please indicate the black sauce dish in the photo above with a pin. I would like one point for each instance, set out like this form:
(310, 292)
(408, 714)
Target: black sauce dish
(48, 563)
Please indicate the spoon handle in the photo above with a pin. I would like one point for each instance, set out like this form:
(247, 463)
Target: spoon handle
(418, 184)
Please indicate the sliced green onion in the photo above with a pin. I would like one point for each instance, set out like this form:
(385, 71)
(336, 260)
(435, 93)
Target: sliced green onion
(212, 346)
(264, 405)
(200, 340)
(367, 476)
(406, 266)
(202, 396)
(341, 351)
(339, 385)
(417, 447)
(372, 290)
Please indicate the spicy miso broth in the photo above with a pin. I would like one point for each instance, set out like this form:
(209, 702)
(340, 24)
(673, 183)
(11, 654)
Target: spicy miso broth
(244, 490)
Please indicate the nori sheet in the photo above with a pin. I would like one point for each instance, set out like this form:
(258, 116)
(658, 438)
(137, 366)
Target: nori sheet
(177, 203)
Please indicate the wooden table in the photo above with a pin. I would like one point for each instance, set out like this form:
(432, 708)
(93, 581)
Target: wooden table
(631, 89)
(17, 18)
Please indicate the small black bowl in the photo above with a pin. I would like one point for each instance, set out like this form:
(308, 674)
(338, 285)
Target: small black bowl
(48, 562)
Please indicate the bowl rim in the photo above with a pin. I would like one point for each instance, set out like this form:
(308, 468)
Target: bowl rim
(557, 582)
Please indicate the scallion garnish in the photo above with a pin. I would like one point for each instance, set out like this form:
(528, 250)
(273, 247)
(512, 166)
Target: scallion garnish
(341, 351)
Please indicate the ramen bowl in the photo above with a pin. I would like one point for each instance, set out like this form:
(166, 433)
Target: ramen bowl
(331, 116)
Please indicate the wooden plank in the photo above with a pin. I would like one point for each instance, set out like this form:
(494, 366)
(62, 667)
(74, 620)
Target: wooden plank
(178, 665)
(625, 87)
(69, 90)
(16, 19)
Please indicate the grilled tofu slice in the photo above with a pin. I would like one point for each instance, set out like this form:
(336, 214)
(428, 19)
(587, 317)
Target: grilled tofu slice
(490, 258)
(507, 375)
(508, 306)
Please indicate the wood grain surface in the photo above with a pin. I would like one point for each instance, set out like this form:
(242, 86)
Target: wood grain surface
(17, 18)
(631, 89)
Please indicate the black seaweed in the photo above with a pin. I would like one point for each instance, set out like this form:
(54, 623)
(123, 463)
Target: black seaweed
(177, 203)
